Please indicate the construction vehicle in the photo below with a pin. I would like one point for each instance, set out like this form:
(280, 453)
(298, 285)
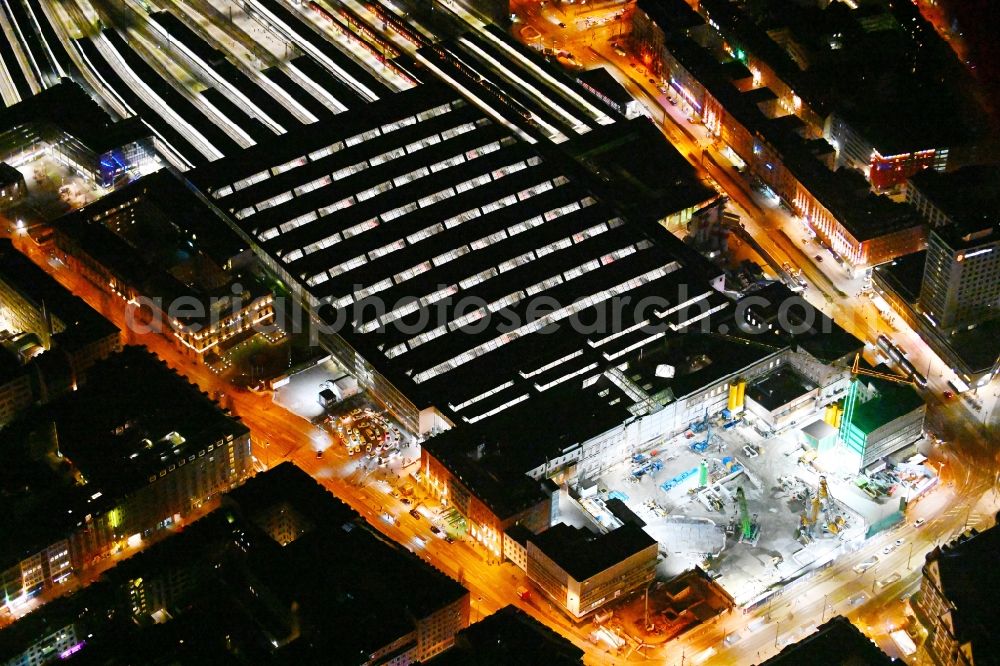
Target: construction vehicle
(749, 530)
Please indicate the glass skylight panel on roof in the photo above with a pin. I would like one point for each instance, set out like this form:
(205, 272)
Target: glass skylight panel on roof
(244, 212)
(274, 201)
(322, 181)
(405, 122)
(482, 150)
(509, 169)
(590, 232)
(297, 222)
(425, 233)
(387, 156)
(572, 273)
(319, 278)
(467, 318)
(450, 255)
(472, 183)
(530, 223)
(431, 199)
(516, 261)
(552, 247)
(222, 192)
(497, 410)
(436, 296)
(457, 130)
(427, 336)
(539, 287)
(423, 143)
(364, 136)
(268, 234)
(493, 391)
(560, 380)
(251, 180)
(543, 186)
(323, 152)
(349, 170)
(412, 271)
(478, 278)
(508, 200)
(444, 164)
(322, 244)
(338, 205)
(400, 210)
(291, 164)
(349, 265)
(413, 175)
(488, 240)
(462, 217)
(374, 190)
(381, 285)
(294, 255)
(431, 113)
(386, 249)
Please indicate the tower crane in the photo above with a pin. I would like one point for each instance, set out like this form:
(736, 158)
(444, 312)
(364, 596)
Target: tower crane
(852, 395)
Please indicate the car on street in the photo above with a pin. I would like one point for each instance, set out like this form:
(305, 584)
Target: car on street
(888, 549)
(818, 258)
(435, 529)
(673, 102)
(898, 543)
(948, 395)
(857, 600)
(405, 500)
(561, 24)
(889, 580)
(919, 522)
(449, 539)
(415, 513)
(866, 565)
(319, 454)
(732, 639)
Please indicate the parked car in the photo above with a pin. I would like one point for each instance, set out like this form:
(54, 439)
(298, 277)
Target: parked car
(415, 513)
(919, 522)
(435, 529)
(818, 258)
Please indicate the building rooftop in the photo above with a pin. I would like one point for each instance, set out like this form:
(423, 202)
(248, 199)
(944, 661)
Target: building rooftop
(890, 402)
(507, 637)
(602, 81)
(839, 60)
(835, 643)
(340, 590)
(583, 554)
(161, 237)
(68, 108)
(492, 457)
(970, 579)
(672, 15)
(75, 323)
(660, 184)
(904, 275)
(108, 433)
(9, 175)
(779, 388)
(969, 196)
(421, 226)
(845, 193)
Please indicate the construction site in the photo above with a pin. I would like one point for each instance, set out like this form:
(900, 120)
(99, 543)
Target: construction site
(752, 508)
